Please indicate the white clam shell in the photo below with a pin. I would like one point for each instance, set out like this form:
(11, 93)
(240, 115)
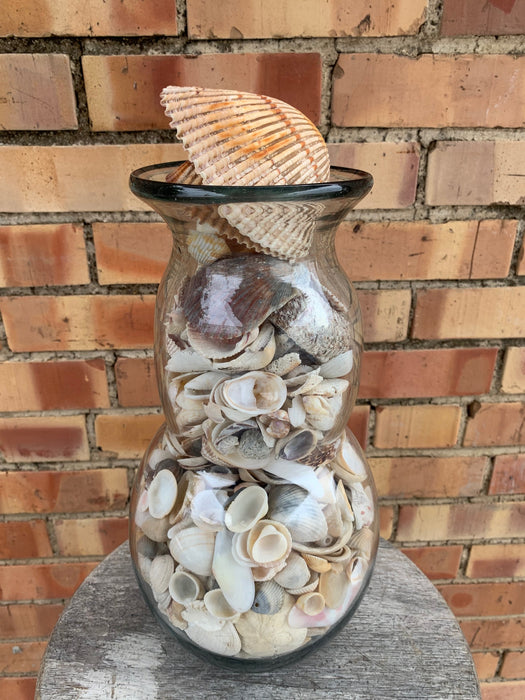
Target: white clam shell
(269, 542)
(333, 586)
(188, 360)
(184, 587)
(318, 564)
(193, 548)
(254, 356)
(362, 505)
(207, 511)
(348, 463)
(155, 528)
(254, 393)
(295, 574)
(296, 412)
(224, 641)
(362, 542)
(219, 607)
(235, 579)
(296, 473)
(249, 506)
(162, 493)
(299, 511)
(162, 567)
(311, 603)
(196, 613)
(338, 366)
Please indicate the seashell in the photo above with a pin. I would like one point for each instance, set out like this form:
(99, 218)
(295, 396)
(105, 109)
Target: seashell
(205, 246)
(338, 366)
(162, 494)
(224, 641)
(333, 586)
(348, 463)
(340, 556)
(362, 505)
(192, 462)
(269, 542)
(155, 528)
(174, 615)
(193, 548)
(254, 393)
(284, 364)
(362, 542)
(253, 445)
(299, 511)
(334, 520)
(270, 635)
(240, 549)
(146, 547)
(220, 349)
(256, 355)
(235, 579)
(356, 569)
(269, 597)
(321, 455)
(206, 511)
(144, 564)
(184, 174)
(219, 607)
(303, 383)
(296, 445)
(249, 506)
(296, 412)
(311, 603)
(142, 503)
(188, 360)
(296, 473)
(189, 486)
(274, 425)
(308, 587)
(163, 600)
(295, 574)
(221, 445)
(218, 477)
(330, 387)
(267, 573)
(162, 567)
(297, 618)
(196, 613)
(238, 138)
(184, 587)
(316, 563)
(322, 413)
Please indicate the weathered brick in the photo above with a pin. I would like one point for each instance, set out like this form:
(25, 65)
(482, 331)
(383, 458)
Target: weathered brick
(420, 250)
(136, 382)
(485, 312)
(386, 521)
(59, 175)
(486, 663)
(436, 562)
(122, 257)
(428, 477)
(90, 537)
(520, 267)
(426, 373)
(358, 424)
(474, 17)
(385, 314)
(18, 621)
(24, 540)
(513, 690)
(393, 165)
(63, 492)
(294, 18)
(42, 581)
(36, 92)
(484, 599)
(496, 561)
(496, 424)
(125, 435)
(508, 475)
(494, 634)
(461, 521)
(417, 426)
(93, 18)
(44, 438)
(22, 657)
(18, 688)
(42, 254)
(513, 381)
(386, 90)
(37, 323)
(476, 172)
(513, 665)
(44, 386)
(123, 91)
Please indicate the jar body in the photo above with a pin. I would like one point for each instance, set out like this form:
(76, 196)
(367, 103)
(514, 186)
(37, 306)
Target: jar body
(253, 523)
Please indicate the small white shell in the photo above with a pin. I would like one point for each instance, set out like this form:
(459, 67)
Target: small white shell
(249, 506)
(219, 607)
(224, 641)
(269, 542)
(188, 361)
(162, 567)
(184, 587)
(295, 574)
(162, 493)
(235, 580)
(254, 393)
(333, 585)
(207, 511)
(193, 548)
(311, 603)
(338, 366)
(299, 511)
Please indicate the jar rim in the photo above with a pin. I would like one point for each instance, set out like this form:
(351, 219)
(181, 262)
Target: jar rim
(149, 182)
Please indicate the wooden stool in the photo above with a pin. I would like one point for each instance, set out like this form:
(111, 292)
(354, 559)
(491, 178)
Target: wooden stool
(403, 642)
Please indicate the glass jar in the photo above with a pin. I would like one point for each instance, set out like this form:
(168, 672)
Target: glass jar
(253, 522)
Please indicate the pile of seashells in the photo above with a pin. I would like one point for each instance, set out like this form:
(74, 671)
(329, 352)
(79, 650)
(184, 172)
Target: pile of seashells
(254, 519)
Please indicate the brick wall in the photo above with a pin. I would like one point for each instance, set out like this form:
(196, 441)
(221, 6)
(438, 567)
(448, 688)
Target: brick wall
(429, 96)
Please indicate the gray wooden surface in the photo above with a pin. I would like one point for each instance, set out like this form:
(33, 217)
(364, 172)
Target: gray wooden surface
(403, 642)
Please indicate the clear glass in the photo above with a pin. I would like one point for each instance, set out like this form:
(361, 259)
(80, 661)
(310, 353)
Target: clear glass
(254, 522)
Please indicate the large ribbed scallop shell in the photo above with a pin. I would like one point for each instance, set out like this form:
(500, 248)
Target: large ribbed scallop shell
(238, 138)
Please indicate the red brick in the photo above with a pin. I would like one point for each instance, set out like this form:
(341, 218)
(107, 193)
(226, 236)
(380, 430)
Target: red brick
(386, 521)
(358, 424)
(486, 663)
(474, 17)
(385, 314)
(42, 254)
(485, 312)
(47, 100)
(436, 562)
(484, 599)
(503, 691)
(508, 475)
(18, 688)
(494, 634)
(476, 172)
(416, 426)
(513, 665)
(44, 438)
(513, 381)
(123, 91)
(94, 322)
(63, 492)
(496, 424)
(17, 621)
(23, 540)
(22, 657)
(496, 561)
(520, 267)
(93, 18)
(420, 250)
(123, 258)
(125, 435)
(461, 521)
(428, 477)
(42, 581)
(386, 90)
(426, 373)
(296, 18)
(90, 537)
(136, 382)
(44, 386)
(393, 165)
